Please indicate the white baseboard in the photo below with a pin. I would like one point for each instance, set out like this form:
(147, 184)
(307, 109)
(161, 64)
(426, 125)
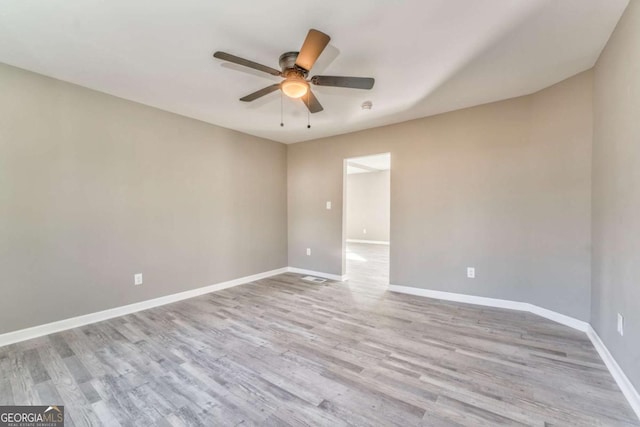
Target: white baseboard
(449, 296)
(371, 242)
(494, 302)
(632, 395)
(318, 274)
(569, 321)
(74, 322)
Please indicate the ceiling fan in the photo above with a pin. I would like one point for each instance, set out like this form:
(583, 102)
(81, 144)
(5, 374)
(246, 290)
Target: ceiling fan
(295, 67)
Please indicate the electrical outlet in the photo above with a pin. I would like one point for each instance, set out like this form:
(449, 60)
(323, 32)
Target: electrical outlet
(364, 231)
(471, 272)
(308, 251)
(328, 205)
(137, 279)
(620, 324)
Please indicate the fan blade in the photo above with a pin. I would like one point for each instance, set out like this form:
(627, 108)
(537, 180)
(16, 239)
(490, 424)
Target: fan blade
(241, 61)
(339, 81)
(311, 49)
(262, 92)
(312, 102)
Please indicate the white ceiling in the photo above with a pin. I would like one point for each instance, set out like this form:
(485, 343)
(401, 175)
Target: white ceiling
(428, 56)
(367, 164)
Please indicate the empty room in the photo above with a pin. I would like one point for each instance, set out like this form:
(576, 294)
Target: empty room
(286, 213)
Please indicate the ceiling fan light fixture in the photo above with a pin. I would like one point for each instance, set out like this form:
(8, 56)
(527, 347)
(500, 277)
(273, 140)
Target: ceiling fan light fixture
(295, 87)
(295, 68)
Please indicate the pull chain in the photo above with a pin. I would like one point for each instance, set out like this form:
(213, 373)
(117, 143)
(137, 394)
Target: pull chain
(308, 110)
(281, 110)
(308, 114)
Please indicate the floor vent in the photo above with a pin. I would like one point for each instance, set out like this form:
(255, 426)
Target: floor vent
(314, 279)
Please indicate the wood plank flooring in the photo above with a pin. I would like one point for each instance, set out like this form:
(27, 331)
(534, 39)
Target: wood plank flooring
(282, 351)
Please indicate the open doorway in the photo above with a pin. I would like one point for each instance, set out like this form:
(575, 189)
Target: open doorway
(366, 226)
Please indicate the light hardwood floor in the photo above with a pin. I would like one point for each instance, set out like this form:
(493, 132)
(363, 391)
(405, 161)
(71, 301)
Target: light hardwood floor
(282, 351)
(368, 265)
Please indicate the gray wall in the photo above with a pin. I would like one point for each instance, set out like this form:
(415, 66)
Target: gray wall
(368, 206)
(94, 188)
(616, 193)
(503, 187)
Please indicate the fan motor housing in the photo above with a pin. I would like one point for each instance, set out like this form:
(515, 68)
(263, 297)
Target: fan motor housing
(288, 65)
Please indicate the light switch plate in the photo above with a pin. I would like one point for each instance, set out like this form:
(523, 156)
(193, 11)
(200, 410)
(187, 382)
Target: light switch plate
(328, 205)
(471, 272)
